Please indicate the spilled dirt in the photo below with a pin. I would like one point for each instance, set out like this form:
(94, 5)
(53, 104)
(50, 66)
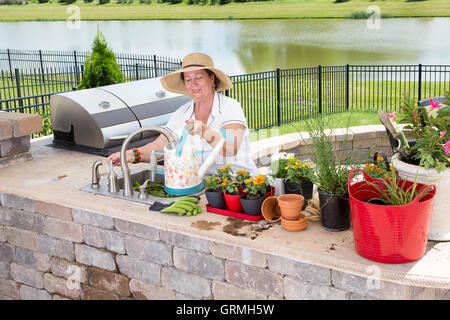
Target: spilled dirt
(243, 228)
(204, 225)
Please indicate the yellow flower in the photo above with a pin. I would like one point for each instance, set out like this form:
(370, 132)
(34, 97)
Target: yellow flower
(287, 167)
(225, 181)
(242, 171)
(248, 180)
(380, 158)
(208, 180)
(308, 165)
(228, 165)
(292, 159)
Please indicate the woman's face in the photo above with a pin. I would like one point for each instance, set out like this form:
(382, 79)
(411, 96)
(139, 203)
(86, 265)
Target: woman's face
(198, 84)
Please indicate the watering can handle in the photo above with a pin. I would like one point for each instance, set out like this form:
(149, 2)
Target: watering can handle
(366, 176)
(417, 199)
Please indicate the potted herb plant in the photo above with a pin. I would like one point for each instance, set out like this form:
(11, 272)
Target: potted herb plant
(299, 176)
(331, 173)
(231, 194)
(241, 176)
(390, 217)
(429, 156)
(214, 193)
(255, 194)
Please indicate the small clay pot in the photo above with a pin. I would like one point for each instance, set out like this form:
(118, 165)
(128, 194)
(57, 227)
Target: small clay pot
(270, 209)
(295, 225)
(305, 189)
(290, 206)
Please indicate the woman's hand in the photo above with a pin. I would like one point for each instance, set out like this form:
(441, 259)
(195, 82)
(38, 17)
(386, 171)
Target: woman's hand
(199, 127)
(115, 157)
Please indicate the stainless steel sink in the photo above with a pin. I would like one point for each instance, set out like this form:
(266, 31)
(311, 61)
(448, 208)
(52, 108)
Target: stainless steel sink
(139, 175)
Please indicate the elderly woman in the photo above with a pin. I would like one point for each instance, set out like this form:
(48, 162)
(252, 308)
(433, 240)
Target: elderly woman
(209, 111)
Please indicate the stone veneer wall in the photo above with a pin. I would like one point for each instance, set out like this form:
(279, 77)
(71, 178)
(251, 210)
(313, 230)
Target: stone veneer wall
(48, 251)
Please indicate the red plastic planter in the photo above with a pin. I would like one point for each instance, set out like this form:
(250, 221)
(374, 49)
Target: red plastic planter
(233, 202)
(389, 234)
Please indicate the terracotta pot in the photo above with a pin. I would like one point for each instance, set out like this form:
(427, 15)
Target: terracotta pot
(290, 206)
(253, 206)
(295, 225)
(270, 209)
(215, 199)
(305, 189)
(233, 202)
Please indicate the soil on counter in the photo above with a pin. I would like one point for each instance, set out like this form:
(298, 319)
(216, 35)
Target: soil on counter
(204, 225)
(243, 228)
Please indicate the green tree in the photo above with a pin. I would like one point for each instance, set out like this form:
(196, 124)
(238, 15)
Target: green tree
(101, 67)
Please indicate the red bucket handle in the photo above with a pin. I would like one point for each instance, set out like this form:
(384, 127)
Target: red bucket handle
(370, 179)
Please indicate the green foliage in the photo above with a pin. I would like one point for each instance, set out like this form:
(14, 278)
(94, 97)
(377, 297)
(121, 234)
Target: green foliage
(258, 185)
(298, 172)
(213, 183)
(43, 1)
(241, 176)
(277, 168)
(103, 1)
(225, 172)
(67, 1)
(229, 186)
(430, 127)
(46, 125)
(101, 67)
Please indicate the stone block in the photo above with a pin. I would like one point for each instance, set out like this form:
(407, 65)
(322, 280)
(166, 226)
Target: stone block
(239, 254)
(30, 293)
(26, 276)
(102, 238)
(53, 210)
(226, 291)
(10, 289)
(62, 229)
(152, 251)
(305, 271)
(69, 270)
(24, 257)
(4, 269)
(137, 229)
(259, 280)
(14, 146)
(198, 263)
(42, 262)
(295, 289)
(23, 124)
(137, 269)
(2, 232)
(372, 143)
(90, 293)
(56, 247)
(93, 219)
(185, 241)
(61, 286)
(13, 201)
(109, 281)
(6, 129)
(22, 238)
(366, 132)
(6, 252)
(25, 220)
(145, 291)
(94, 257)
(186, 283)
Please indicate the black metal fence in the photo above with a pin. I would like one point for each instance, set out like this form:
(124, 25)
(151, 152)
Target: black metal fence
(268, 98)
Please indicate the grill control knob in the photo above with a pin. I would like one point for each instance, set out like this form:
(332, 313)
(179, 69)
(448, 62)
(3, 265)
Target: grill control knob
(104, 105)
(160, 94)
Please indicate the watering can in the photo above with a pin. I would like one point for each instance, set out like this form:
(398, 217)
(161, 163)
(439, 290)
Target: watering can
(183, 173)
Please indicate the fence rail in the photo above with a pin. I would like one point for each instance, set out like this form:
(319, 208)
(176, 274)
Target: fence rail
(268, 98)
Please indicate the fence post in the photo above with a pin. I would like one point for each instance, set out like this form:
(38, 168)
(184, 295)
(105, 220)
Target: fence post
(347, 86)
(278, 97)
(77, 74)
(137, 71)
(155, 65)
(420, 82)
(9, 61)
(320, 89)
(19, 94)
(42, 65)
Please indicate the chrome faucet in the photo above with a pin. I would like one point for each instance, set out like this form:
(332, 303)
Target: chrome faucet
(127, 187)
(95, 174)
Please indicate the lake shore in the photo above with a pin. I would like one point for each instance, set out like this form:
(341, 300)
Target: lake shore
(293, 9)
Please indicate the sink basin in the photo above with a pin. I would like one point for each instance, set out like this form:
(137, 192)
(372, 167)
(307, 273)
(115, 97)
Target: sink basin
(139, 175)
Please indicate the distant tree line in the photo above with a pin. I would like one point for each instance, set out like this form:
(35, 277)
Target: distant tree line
(198, 2)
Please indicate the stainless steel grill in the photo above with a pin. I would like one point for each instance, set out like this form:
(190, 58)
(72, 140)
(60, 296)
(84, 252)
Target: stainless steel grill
(98, 120)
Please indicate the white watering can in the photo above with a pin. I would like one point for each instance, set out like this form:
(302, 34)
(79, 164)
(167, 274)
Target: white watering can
(183, 173)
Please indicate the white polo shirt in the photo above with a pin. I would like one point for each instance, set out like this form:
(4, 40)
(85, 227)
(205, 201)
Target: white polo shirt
(225, 110)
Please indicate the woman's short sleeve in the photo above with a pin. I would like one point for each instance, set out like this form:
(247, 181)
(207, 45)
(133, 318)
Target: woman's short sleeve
(233, 113)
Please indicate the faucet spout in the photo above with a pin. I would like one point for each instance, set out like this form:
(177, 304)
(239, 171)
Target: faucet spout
(127, 187)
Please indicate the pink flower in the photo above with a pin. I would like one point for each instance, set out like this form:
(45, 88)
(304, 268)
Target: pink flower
(434, 105)
(447, 147)
(415, 118)
(442, 134)
(392, 115)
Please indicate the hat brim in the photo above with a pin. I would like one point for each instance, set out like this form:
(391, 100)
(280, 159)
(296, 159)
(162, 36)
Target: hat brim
(173, 83)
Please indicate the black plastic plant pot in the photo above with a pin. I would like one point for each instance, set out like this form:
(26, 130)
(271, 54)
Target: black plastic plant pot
(335, 211)
(252, 207)
(215, 199)
(305, 189)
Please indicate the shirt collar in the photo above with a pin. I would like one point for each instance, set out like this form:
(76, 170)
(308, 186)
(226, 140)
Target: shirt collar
(216, 109)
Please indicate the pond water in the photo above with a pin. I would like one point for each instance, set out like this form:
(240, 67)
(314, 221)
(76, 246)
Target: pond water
(244, 46)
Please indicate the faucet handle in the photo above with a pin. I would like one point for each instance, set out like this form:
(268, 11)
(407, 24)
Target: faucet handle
(95, 174)
(143, 190)
(113, 184)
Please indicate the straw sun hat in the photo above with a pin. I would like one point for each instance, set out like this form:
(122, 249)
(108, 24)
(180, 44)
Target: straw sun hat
(194, 61)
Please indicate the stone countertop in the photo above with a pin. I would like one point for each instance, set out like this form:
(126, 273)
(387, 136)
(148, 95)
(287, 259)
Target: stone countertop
(56, 175)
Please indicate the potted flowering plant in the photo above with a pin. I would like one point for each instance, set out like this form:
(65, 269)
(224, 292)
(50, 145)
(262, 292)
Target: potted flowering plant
(429, 155)
(213, 192)
(380, 168)
(241, 176)
(231, 194)
(225, 172)
(277, 171)
(299, 176)
(255, 194)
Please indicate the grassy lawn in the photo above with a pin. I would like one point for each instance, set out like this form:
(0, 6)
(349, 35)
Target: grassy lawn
(276, 9)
